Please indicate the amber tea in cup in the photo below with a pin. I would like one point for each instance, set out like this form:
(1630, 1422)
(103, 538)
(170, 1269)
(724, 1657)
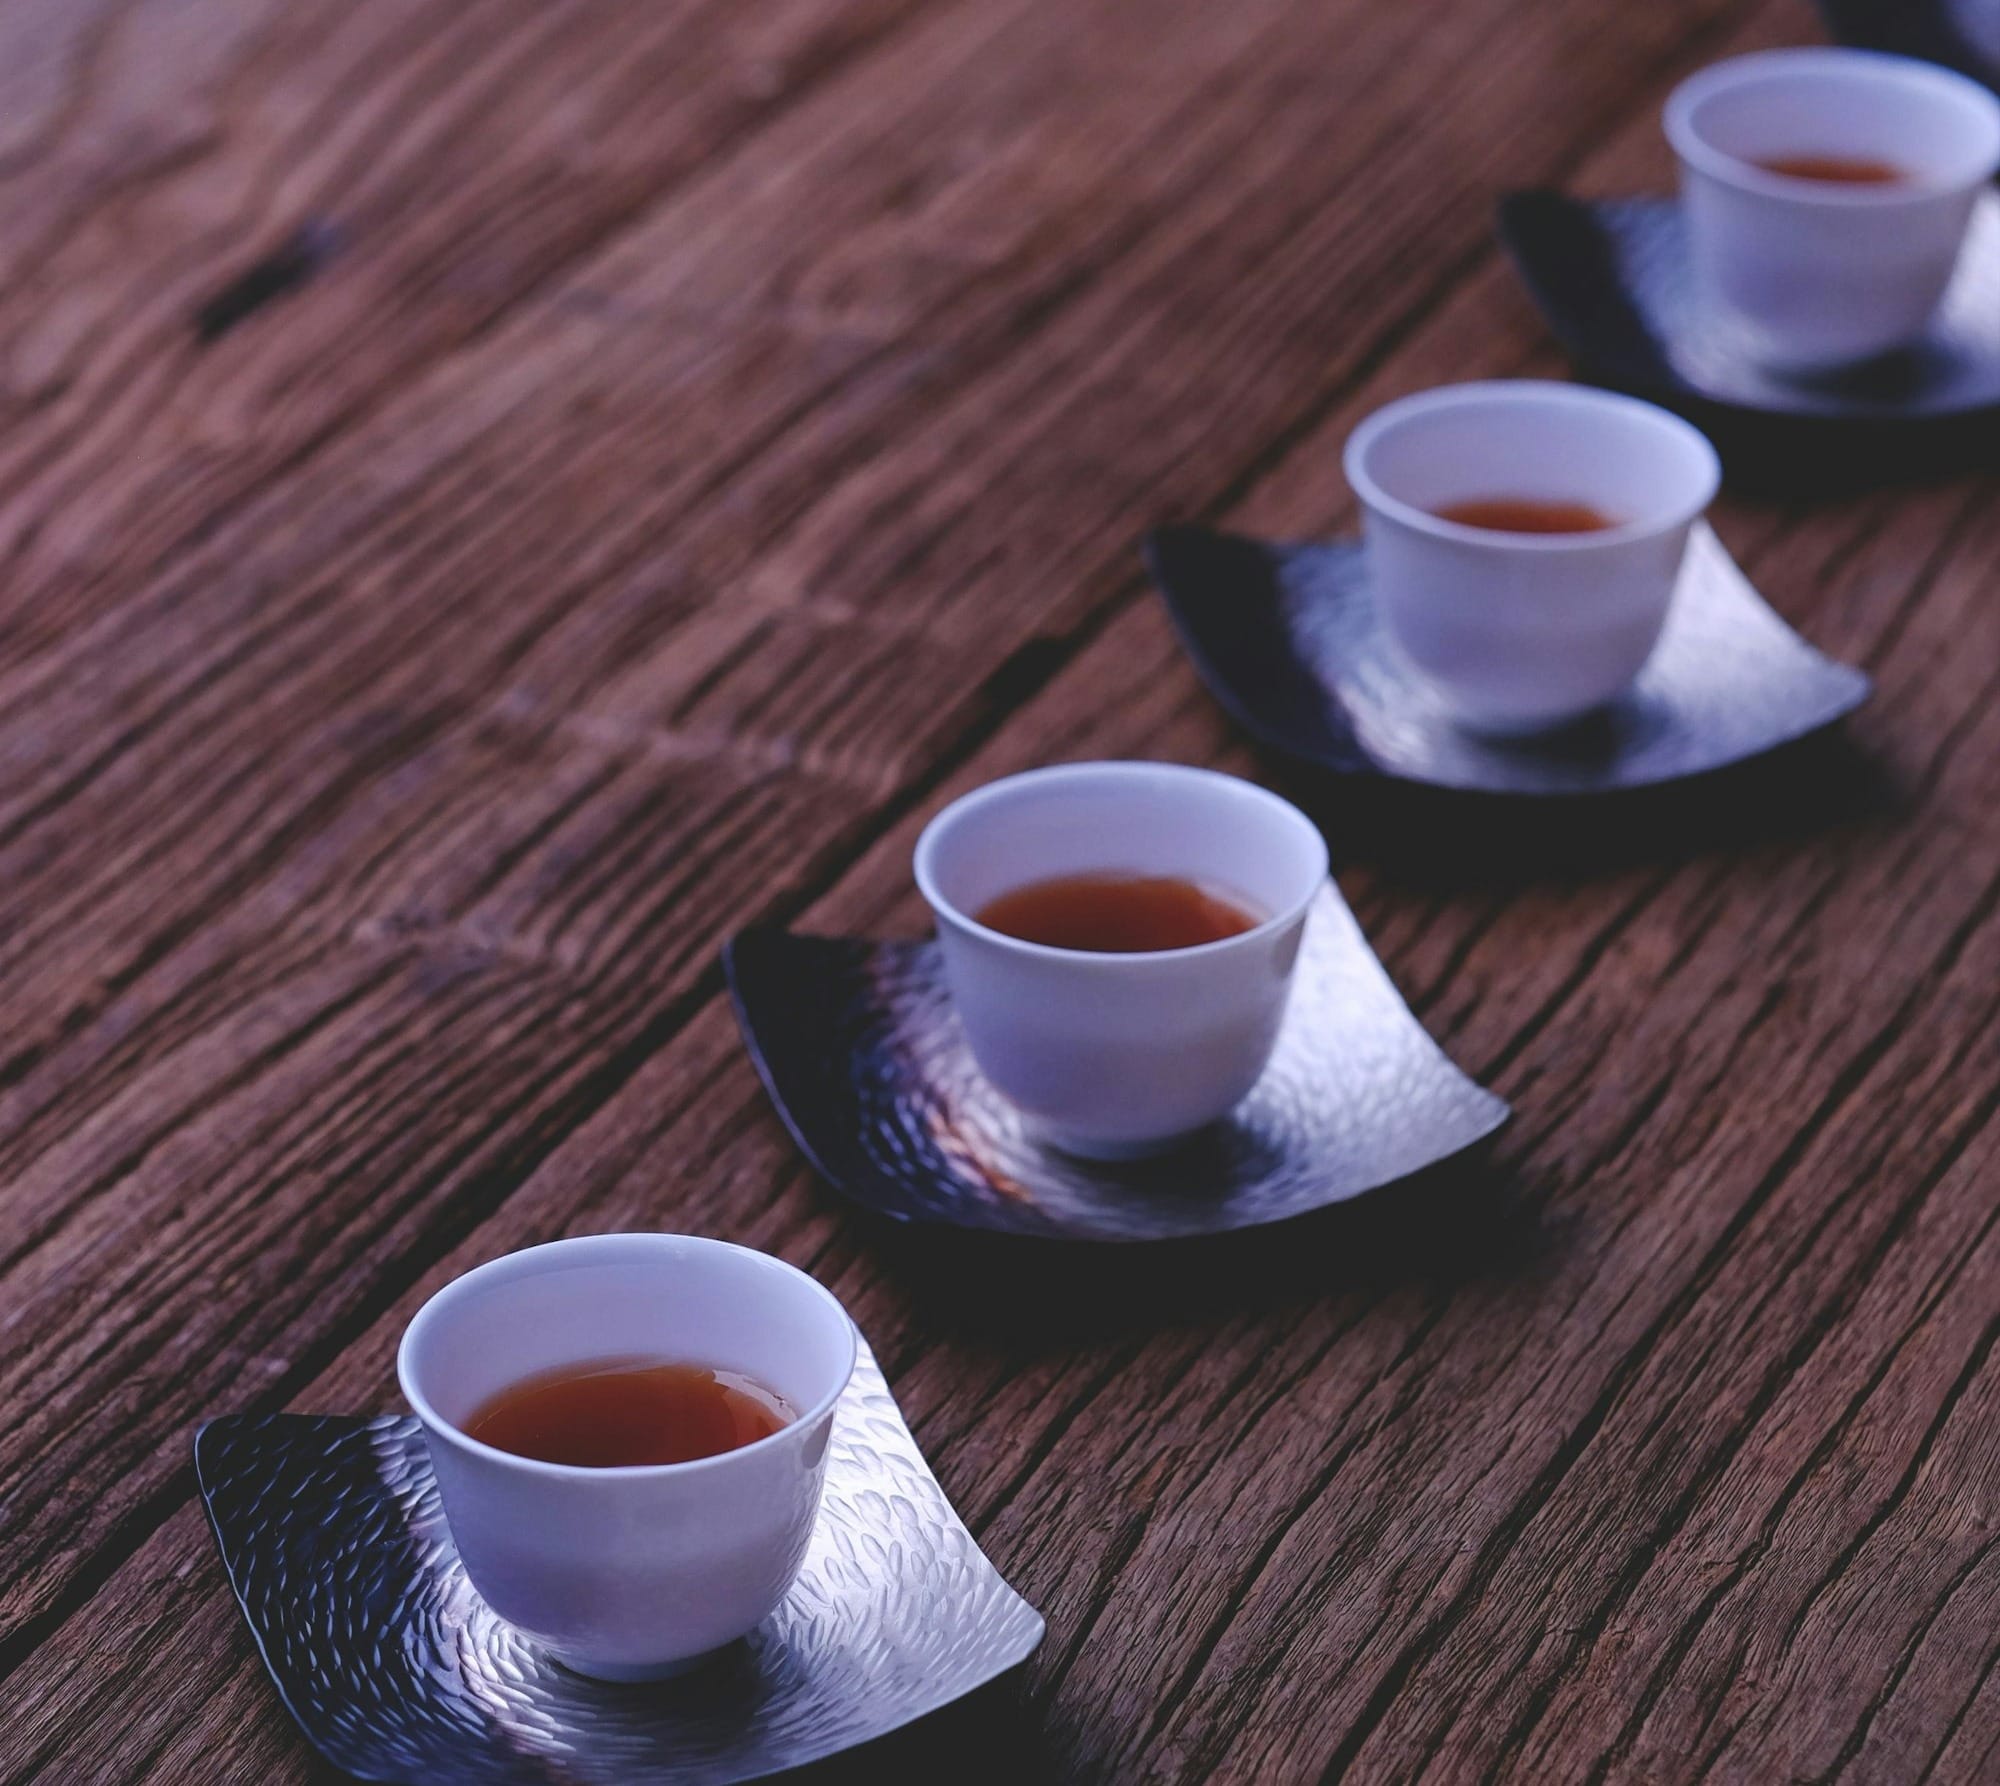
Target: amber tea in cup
(1117, 914)
(1826, 196)
(615, 1349)
(1834, 170)
(1118, 941)
(614, 1412)
(1517, 514)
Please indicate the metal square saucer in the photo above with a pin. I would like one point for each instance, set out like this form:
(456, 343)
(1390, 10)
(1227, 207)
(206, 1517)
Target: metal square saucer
(861, 1051)
(1961, 34)
(1287, 640)
(339, 1555)
(1613, 281)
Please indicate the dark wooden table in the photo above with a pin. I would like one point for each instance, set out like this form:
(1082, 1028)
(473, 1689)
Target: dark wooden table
(496, 494)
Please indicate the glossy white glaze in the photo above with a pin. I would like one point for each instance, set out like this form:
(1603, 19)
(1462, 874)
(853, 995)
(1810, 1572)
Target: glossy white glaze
(1821, 274)
(1518, 632)
(629, 1573)
(1118, 1055)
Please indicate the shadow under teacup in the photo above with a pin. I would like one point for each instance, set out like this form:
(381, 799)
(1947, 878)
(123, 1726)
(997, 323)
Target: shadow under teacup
(633, 1572)
(1827, 194)
(1521, 631)
(1118, 1055)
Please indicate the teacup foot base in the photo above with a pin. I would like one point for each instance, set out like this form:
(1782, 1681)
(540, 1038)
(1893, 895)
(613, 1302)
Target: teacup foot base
(1092, 1147)
(637, 1673)
(1577, 724)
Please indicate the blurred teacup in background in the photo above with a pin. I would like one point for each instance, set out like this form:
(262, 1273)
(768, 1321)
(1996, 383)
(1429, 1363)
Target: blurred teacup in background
(1524, 541)
(1170, 902)
(634, 1572)
(1827, 194)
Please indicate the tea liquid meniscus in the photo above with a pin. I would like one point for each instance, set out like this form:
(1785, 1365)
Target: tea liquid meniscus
(1513, 514)
(1117, 914)
(1834, 170)
(616, 1411)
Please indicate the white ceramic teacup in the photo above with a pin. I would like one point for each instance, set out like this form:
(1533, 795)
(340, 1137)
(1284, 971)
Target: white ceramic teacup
(1117, 1055)
(1825, 273)
(1522, 631)
(630, 1573)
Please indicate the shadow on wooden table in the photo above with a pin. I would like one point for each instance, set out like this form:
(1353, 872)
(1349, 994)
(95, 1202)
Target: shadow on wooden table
(988, 1738)
(1449, 841)
(1465, 1219)
(1457, 1222)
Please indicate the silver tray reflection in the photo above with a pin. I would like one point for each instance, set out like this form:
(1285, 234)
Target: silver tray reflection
(340, 1558)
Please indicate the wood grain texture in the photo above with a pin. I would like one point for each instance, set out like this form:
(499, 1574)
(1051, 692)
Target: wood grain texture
(369, 828)
(230, 228)
(544, 546)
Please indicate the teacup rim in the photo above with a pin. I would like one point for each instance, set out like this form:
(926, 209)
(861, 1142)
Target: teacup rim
(1554, 394)
(1697, 152)
(509, 1264)
(946, 910)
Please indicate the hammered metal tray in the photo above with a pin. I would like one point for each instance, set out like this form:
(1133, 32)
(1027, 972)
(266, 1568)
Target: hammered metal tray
(1612, 280)
(861, 1052)
(1962, 34)
(1286, 638)
(331, 1534)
